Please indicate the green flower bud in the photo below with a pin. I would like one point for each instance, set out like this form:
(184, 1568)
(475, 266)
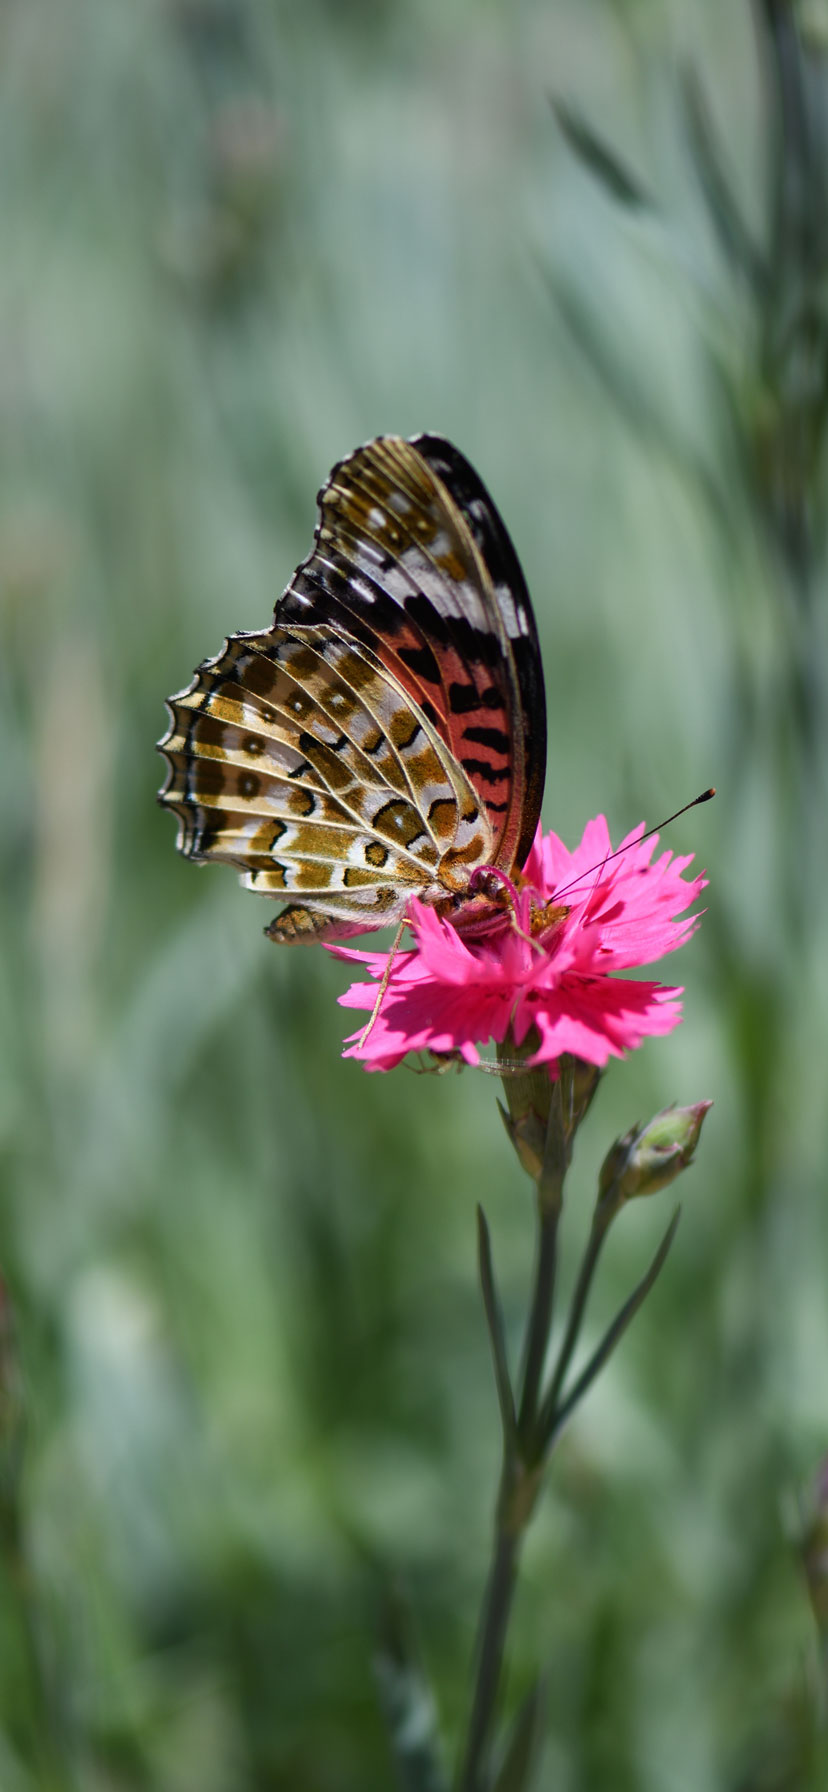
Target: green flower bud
(649, 1157)
(529, 1098)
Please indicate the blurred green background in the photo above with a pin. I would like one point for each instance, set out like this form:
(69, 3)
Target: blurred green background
(245, 1377)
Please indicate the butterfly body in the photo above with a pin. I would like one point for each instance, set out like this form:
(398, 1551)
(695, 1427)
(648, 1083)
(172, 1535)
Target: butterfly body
(385, 737)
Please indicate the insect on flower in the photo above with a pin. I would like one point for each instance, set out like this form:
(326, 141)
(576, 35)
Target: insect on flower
(377, 756)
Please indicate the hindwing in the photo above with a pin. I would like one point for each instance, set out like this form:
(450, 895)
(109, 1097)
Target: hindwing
(313, 773)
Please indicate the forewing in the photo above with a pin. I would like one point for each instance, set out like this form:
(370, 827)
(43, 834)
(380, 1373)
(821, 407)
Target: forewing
(413, 562)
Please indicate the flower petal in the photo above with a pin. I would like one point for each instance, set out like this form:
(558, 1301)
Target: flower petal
(451, 992)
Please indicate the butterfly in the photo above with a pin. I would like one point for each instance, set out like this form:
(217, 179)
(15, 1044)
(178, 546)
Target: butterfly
(385, 738)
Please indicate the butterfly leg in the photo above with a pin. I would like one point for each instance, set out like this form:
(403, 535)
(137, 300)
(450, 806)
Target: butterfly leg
(386, 979)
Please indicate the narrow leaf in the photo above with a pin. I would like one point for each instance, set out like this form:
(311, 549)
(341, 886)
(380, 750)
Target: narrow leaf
(494, 1321)
(725, 216)
(599, 159)
(614, 1334)
(521, 1755)
(408, 1706)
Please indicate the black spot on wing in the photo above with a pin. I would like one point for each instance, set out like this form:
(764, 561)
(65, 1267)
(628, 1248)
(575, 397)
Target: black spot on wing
(421, 661)
(477, 646)
(428, 618)
(479, 768)
(465, 697)
(495, 738)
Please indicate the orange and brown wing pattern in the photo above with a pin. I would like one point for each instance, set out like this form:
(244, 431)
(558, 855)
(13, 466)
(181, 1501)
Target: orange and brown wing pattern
(414, 562)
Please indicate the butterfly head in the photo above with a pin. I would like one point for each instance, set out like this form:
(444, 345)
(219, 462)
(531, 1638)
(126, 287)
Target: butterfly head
(495, 894)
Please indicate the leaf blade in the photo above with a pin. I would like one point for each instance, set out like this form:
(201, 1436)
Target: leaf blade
(520, 1760)
(599, 159)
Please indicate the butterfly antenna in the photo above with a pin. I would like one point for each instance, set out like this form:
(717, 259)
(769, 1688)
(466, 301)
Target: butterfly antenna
(386, 979)
(704, 798)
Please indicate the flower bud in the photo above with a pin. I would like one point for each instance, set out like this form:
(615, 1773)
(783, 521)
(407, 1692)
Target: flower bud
(647, 1158)
(580, 1081)
(529, 1098)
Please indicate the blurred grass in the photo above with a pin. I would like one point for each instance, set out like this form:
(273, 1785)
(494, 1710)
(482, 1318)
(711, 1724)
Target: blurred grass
(254, 1378)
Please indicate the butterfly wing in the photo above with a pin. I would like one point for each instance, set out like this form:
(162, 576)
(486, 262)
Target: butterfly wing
(313, 773)
(413, 560)
(387, 735)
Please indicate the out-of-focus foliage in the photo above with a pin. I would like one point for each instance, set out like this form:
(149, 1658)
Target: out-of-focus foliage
(245, 1381)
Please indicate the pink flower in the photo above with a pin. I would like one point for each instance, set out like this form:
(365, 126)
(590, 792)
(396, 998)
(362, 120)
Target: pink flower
(452, 992)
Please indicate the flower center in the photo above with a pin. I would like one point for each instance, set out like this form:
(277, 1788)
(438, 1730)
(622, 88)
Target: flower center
(547, 915)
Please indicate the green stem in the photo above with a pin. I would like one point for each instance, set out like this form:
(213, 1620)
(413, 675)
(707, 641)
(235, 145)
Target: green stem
(537, 1336)
(521, 1473)
(497, 1606)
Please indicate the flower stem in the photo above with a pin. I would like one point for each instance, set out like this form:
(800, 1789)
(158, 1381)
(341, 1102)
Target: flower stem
(522, 1460)
(497, 1606)
(550, 1186)
(537, 1335)
(523, 1455)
